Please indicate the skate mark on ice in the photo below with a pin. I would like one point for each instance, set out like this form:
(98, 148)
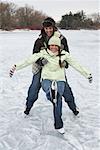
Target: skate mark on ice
(71, 140)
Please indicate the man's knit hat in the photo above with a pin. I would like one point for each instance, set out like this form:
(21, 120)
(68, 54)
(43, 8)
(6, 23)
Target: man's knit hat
(48, 22)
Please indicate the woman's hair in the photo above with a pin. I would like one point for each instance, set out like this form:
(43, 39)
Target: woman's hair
(59, 54)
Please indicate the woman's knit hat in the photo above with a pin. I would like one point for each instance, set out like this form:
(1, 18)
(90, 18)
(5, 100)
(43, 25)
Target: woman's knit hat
(54, 40)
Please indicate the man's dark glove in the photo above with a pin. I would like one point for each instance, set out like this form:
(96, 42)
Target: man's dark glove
(64, 64)
(44, 61)
(36, 67)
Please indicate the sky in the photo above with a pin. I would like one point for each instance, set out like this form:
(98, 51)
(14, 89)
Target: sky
(58, 8)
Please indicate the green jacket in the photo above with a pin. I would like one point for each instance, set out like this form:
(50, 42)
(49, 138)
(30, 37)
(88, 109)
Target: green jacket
(52, 70)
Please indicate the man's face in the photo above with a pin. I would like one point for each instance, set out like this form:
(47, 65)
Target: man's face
(48, 30)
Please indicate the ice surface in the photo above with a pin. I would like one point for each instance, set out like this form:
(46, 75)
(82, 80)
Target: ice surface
(36, 132)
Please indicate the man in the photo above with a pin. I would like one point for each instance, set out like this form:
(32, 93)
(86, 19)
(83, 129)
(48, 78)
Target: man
(48, 30)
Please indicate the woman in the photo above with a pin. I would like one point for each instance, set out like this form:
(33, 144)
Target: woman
(54, 71)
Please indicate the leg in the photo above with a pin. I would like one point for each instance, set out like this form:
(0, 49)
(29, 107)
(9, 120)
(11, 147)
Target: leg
(57, 108)
(57, 111)
(46, 84)
(69, 98)
(33, 92)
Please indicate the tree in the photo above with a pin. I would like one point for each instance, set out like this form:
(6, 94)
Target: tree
(79, 21)
(27, 17)
(72, 21)
(7, 11)
(12, 17)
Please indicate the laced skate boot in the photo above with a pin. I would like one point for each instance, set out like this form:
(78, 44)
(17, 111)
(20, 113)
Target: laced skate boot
(76, 112)
(27, 110)
(61, 130)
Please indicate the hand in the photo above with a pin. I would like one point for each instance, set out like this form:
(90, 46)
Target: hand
(44, 61)
(63, 64)
(12, 70)
(90, 78)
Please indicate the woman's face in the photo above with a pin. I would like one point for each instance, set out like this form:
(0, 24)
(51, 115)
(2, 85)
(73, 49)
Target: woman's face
(54, 48)
(48, 30)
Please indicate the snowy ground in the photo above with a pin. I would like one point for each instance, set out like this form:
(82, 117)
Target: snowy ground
(37, 132)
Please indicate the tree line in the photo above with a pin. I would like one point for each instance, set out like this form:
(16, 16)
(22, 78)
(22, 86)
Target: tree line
(25, 17)
(13, 17)
(80, 21)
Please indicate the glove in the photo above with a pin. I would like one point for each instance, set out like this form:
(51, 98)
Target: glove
(12, 70)
(36, 68)
(90, 78)
(44, 61)
(63, 64)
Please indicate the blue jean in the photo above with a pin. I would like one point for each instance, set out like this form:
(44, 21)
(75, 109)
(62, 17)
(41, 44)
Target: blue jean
(57, 108)
(69, 97)
(33, 90)
(35, 86)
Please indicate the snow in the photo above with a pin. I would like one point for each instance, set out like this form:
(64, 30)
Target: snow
(36, 132)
